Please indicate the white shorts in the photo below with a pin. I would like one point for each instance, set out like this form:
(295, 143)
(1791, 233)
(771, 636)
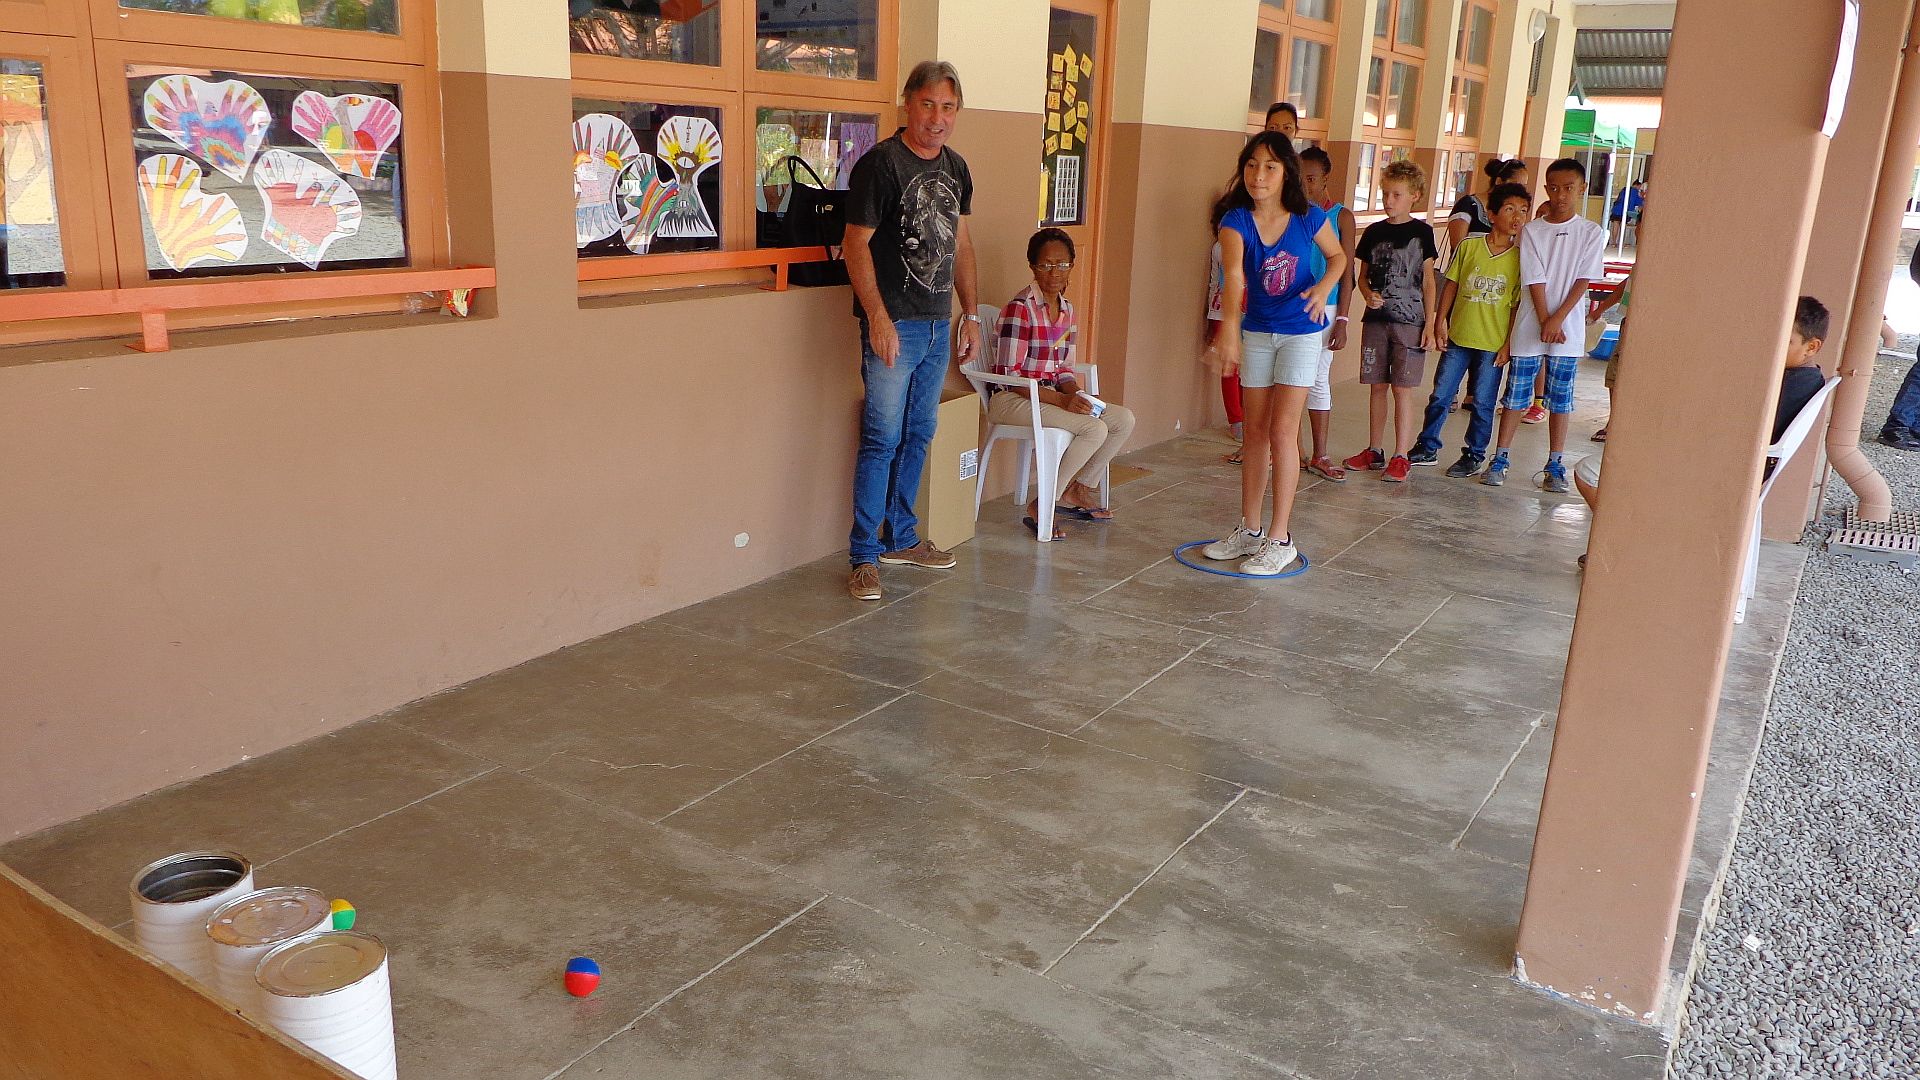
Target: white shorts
(1279, 359)
(1320, 397)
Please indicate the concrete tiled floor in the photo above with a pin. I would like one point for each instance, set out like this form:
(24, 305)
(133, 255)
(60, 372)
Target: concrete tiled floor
(1065, 811)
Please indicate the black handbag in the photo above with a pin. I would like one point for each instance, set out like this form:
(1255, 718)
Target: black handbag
(815, 217)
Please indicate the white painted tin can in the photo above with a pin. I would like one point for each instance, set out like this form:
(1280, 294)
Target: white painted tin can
(172, 899)
(331, 992)
(243, 930)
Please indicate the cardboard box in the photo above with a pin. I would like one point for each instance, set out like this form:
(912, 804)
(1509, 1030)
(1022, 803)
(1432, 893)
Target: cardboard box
(945, 503)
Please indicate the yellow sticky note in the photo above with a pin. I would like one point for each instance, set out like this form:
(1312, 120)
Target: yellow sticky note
(1086, 66)
(1081, 109)
(1067, 54)
(1080, 132)
(1059, 62)
(1053, 101)
(1069, 94)
(1053, 121)
(1066, 141)
(1053, 144)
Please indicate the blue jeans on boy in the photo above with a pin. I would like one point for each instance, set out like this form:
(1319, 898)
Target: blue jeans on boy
(1905, 414)
(1455, 362)
(896, 424)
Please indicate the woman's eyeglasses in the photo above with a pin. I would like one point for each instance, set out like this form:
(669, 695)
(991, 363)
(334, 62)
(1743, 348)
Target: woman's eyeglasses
(1052, 267)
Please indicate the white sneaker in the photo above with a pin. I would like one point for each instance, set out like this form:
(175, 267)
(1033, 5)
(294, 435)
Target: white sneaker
(1241, 544)
(1272, 559)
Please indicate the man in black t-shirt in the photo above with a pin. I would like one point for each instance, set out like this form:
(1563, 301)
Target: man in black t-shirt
(1902, 429)
(908, 253)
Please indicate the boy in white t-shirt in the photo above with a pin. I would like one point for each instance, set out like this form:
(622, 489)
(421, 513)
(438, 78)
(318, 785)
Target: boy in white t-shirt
(1560, 254)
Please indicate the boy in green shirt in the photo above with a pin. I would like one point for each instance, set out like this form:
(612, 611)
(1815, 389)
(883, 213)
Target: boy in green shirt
(1476, 319)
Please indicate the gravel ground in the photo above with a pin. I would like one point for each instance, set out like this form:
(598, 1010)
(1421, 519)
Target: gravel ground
(1813, 969)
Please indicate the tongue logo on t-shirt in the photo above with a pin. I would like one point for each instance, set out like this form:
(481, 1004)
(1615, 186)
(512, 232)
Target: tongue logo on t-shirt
(1276, 273)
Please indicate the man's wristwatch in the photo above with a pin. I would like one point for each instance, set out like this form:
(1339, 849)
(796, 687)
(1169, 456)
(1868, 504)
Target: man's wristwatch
(971, 318)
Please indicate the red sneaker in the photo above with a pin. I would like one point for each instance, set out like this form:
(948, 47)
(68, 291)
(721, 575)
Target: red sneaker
(1535, 413)
(1396, 470)
(1368, 459)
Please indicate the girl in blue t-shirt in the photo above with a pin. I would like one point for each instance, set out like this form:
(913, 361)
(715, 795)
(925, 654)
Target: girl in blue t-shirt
(1268, 234)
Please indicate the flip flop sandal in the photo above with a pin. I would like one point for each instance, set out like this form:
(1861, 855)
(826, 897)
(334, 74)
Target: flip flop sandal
(1600, 436)
(1232, 459)
(1085, 513)
(1034, 528)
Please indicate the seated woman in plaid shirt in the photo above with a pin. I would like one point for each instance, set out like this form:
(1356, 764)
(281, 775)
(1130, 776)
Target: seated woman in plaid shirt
(1038, 340)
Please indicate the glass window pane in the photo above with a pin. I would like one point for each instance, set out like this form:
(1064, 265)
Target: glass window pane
(1480, 38)
(30, 254)
(1403, 101)
(1465, 171)
(1266, 64)
(1363, 178)
(1412, 24)
(1313, 9)
(1281, 4)
(1376, 72)
(645, 30)
(241, 173)
(834, 40)
(380, 16)
(1066, 156)
(646, 177)
(829, 143)
(1306, 76)
(1476, 104)
(1382, 18)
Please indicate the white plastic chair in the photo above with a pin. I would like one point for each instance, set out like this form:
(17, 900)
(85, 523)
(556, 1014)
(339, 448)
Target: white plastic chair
(1045, 445)
(1778, 454)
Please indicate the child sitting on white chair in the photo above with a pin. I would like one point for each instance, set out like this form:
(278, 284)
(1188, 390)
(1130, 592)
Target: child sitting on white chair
(1038, 339)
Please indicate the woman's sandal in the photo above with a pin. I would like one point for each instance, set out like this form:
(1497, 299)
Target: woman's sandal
(1085, 513)
(1325, 468)
(1034, 528)
(1232, 459)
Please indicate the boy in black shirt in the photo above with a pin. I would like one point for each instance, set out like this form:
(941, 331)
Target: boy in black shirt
(1395, 278)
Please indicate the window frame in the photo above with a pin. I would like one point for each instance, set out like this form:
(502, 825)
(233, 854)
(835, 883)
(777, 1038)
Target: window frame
(416, 43)
(1286, 23)
(425, 187)
(739, 89)
(66, 72)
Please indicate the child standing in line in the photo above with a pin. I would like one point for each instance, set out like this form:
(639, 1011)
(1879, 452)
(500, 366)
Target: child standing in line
(1561, 253)
(1476, 320)
(1395, 278)
(1315, 167)
(1267, 232)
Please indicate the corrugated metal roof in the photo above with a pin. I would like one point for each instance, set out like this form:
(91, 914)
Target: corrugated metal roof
(1621, 62)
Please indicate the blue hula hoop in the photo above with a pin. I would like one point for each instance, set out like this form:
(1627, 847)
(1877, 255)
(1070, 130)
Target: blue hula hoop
(1180, 556)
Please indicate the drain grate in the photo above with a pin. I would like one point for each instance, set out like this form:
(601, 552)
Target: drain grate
(1903, 521)
(1901, 549)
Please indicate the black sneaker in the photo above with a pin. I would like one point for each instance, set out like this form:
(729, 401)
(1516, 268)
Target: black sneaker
(1417, 456)
(1900, 439)
(1468, 465)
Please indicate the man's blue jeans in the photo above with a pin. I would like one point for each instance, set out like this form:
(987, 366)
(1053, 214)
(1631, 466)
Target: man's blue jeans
(1455, 362)
(896, 424)
(1905, 414)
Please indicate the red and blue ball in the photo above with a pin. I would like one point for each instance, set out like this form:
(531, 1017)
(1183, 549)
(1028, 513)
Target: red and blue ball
(583, 976)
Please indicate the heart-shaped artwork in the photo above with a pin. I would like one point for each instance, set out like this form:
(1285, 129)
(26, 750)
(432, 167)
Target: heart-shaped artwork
(308, 208)
(224, 123)
(190, 226)
(353, 130)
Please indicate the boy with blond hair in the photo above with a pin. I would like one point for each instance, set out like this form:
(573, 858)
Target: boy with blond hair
(1395, 278)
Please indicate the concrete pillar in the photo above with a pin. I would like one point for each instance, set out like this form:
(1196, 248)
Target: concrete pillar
(1436, 93)
(1840, 231)
(1508, 78)
(505, 72)
(1666, 557)
(1540, 137)
(1352, 52)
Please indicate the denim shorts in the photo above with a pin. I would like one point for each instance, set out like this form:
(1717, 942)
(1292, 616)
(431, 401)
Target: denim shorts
(1279, 359)
(1523, 370)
